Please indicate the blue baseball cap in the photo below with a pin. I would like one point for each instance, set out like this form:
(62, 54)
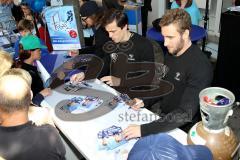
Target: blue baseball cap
(164, 147)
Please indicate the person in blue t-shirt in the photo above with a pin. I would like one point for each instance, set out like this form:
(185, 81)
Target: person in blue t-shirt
(191, 7)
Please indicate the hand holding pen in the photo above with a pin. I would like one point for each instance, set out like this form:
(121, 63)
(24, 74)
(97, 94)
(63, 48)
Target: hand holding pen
(135, 104)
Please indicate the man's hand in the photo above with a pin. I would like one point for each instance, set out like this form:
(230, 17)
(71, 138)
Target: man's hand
(111, 80)
(77, 77)
(68, 65)
(73, 53)
(61, 75)
(132, 131)
(136, 104)
(46, 92)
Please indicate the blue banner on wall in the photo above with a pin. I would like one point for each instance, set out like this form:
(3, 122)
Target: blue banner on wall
(62, 28)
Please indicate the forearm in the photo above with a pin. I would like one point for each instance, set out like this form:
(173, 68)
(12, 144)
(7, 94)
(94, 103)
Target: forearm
(37, 99)
(158, 127)
(166, 123)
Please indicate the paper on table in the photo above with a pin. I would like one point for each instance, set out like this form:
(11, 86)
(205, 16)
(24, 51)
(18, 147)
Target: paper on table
(45, 76)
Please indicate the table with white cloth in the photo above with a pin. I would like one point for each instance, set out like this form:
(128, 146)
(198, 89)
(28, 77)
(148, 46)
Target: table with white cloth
(83, 134)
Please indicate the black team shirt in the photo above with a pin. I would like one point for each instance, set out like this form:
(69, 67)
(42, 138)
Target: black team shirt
(190, 73)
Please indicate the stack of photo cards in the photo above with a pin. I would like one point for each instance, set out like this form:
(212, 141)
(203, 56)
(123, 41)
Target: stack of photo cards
(120, 99)
(78, 105)
(110, 138)
(74, 87)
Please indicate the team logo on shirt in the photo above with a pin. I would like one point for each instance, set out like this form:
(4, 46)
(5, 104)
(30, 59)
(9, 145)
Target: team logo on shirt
(177, 76)
(131, 57)
(114, 57)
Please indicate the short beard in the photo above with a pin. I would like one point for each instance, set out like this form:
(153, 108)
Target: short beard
(180, 47)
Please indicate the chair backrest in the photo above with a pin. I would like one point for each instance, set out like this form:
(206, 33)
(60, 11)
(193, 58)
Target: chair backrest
(158, 52)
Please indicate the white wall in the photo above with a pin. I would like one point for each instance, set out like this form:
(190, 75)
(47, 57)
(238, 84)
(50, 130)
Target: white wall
(158, 9)
(214, 16)
(202, 3)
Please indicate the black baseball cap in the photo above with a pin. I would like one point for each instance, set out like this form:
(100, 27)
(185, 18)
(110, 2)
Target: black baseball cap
(89, 8)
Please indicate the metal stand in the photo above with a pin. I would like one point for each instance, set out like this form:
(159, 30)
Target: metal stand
(206, 18)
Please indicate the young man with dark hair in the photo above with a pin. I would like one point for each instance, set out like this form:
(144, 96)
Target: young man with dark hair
(189, 71)
(21, 138)
(134, 46)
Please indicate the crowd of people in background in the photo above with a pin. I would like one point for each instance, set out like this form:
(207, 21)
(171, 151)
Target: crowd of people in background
(106, 25)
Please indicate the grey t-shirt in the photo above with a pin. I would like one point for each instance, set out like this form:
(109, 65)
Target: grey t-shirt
(29, 141)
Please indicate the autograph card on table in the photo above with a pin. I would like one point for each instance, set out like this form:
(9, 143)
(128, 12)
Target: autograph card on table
(110, 138)
(78, 105)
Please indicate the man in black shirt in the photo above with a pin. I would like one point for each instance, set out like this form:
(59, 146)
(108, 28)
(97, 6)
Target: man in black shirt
(189, 71)
(91, 16)
(134, 46)
(20, 138)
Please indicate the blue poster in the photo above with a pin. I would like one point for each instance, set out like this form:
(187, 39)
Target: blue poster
(62, 28)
